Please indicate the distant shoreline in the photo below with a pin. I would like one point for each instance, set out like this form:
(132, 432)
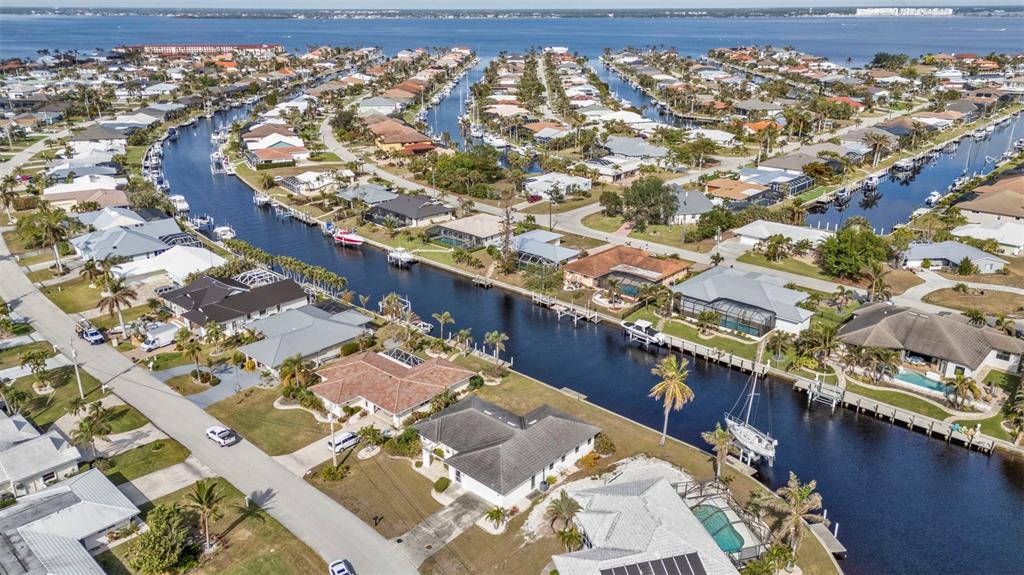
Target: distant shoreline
(995, 11)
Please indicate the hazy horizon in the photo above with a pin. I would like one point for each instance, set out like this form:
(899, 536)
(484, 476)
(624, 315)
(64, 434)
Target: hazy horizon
(478, 5)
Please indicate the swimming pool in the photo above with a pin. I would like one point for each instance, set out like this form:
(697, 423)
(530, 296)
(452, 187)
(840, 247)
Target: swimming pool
(718, 525)
(914, 378)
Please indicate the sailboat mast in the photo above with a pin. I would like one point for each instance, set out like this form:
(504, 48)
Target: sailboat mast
(750, 399)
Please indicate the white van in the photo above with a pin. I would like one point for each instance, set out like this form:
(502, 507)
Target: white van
(159, 336)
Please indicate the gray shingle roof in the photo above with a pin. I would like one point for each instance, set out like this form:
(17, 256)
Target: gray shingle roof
(634, 147)
(414, 207)
(499, 448)
(304, 331)
(948, 250)
(894, 327)
(220, 300)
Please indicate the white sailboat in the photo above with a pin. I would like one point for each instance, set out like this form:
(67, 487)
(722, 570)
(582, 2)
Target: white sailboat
(754, 445)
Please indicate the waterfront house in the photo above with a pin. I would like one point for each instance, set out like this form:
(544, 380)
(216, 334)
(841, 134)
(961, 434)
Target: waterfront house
(110, 217)
(500, 456)
(759, 230)
(177, 263)
(632, 267)
(68, 201)
(309, 183)
(690, 206)
(781, 182)
(470, 232)
(542, 247)
(948, 255)
(735, 190)
(947, 345)
(57, 531)
(387, 386)
(1001, 201)
(131, 242)
(544, 185)
(1008, 235)
(639, 523)
(747, 302)
(369, 194)
(309, 332)
(29, 460)
(411, 210)
(232, 303)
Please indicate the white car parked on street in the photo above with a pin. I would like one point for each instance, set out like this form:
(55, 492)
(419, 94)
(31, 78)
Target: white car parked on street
(222, 436)
(341, 567)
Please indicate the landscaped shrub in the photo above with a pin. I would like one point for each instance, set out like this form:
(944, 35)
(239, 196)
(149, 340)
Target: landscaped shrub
(476, 382)
(590, 459)
(418, 463)
(551, 479)
(604, 444)
(414, 417)
(156, 445)
(406, 444)
(441, 484)
(214, 380)
(439, 452)
(350, 348)
(238, 359)
(334, 472)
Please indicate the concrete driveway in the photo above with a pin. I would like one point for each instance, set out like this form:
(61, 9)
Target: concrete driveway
(441, 528)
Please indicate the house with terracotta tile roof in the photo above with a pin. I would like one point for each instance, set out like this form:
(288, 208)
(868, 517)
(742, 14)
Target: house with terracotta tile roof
(632, 267)
(385, 385)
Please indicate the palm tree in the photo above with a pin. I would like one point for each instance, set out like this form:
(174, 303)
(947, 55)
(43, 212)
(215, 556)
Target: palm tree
(874, 273)
(8, 195)
(797, 503)
(778, 342)
(95, 425)
(707, 320)
(205, 498)
(841, 297)
(717, 258)
(443, 318)
(975, 317)
(720, 441)
(192, 349)
(961, 387)
(1006, 325)
(294, 371)
(562, 508)
(878, 143)
(90, 271)
(497, 516)
(612, 290)
(51, 225)
(496, 340)
(884, 363)
(214, 335)
(570, 538)
(118, 296)
(672, 388)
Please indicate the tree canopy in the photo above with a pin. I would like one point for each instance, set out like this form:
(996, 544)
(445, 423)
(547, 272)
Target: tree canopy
(852, 249)
(649, 200)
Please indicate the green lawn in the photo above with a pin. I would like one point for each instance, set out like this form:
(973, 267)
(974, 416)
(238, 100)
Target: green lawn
(249, 546)
(11, 357)
(45, 256)
(144, 460)
(126, 418)
(43, 410)
(184, 385)
(275, 431)
(655, 233)
(107, 321)
(790, 265)
(900, 400)
(991, 426)
(688, 332)
(73, 296)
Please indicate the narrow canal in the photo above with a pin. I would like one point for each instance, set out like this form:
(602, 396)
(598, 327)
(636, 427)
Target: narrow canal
(896, 199)
(905, 503)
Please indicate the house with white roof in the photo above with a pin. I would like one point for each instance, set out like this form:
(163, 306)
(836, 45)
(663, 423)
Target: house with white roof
(544, 184)
(748, 302)
(948, 255)
(720, 137)
(309, 183)
(54, 531)
(177, 263)
(1007, 233)
(86, 183)
(29, 460)
(107, 218)
(760, 230)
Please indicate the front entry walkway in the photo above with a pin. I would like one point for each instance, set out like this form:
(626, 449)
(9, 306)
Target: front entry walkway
(441, 528)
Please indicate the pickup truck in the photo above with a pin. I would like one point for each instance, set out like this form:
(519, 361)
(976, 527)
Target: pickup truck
(89, 333)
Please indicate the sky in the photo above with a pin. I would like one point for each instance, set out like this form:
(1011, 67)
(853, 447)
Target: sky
(477, 4)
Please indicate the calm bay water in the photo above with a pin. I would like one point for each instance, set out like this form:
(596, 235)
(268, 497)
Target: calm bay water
(837, 38)
(906, 503)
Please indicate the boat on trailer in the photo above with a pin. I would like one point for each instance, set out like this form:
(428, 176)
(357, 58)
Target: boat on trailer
(754, 445)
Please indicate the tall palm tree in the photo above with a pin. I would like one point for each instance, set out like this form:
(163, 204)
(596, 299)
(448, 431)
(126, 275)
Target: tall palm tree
(294, 371)
(707, 321)
(672, 388)
(8, 195)
(778, 342)
(117, 296)
(961, 387)
(797, 503)
(190, 348)
(878, 143)
(214, 335)
(51, 226)
(874, 274)
(95, 425)
(206, 499)
(720, 441)
(443, 318)
(884, 363)
(90, 271)
(612, 289)
(562, 508)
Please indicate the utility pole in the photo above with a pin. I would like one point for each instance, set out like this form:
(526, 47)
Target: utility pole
(334, 448)
(78, 373)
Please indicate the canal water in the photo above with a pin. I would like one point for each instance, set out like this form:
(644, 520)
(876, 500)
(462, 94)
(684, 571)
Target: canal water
(895, 200)
(905, 503)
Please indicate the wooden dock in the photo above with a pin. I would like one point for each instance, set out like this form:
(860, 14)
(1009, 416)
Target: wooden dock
(714, 354)
(562, 309)
(828, 539)
(968, 437)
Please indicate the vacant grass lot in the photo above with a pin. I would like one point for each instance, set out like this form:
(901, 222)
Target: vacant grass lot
(43, 410)
(73, 296)
(275, 431)
(990, 302)
(249, 546)
(144, 459)
(11, 357)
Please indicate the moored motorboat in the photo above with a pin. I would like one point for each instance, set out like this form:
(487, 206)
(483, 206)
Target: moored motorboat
(224, 233)
(347, 237)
